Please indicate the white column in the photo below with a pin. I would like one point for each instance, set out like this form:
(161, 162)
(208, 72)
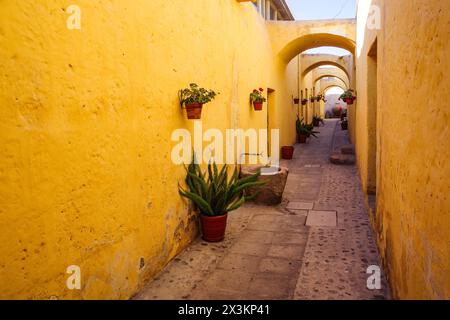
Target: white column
(267, 9)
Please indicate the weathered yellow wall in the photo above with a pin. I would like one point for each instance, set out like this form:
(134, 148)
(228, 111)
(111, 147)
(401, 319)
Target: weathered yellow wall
(412, 136)
(87, 116)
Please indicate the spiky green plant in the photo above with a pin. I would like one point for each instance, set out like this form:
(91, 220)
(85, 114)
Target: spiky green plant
(305, 129)
(213, 193)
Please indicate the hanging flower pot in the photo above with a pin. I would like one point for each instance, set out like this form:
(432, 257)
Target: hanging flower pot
(193, 98)
(296, 100)
(312, 99)
(257, 98)
(304, 102)
(194, 110)
(348, 97)
(287, 152)
(349, 101)
(213, 228)
(258, 106)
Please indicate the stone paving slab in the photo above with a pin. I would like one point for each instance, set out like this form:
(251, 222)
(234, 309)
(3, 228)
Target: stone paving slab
(298, 205)
(322, 219)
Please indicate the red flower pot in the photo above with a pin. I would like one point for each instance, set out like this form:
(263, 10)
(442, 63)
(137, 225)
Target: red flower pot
(287, 152)
(302, 138)
(258, 106)
(349, 101)
(213, 228)
(194, 110)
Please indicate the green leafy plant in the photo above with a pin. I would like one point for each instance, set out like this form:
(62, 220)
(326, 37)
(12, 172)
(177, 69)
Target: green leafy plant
(195, 94)
(257, 96)
(213, 193)
(317, 118)
(305, 129)
(348, 94)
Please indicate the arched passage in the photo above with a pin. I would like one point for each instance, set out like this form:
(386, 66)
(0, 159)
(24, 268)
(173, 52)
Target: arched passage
(325, 84)
(310, 62)
(326, 89)
(320, 73)
(346, 84)
(325, 63)
(301, 44)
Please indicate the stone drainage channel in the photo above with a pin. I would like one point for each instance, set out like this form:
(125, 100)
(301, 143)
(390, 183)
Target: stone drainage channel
(317, 244)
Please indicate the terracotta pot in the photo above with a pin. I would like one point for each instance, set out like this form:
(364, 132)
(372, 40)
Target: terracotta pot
(194, 110)
(318, 99)
(213, 228)
(296, 101)
(316, 123)
(349, 101)
(258, 106)
(312, 100)
(287, 152)
(302, 138)
(344, 125)
(304, 102)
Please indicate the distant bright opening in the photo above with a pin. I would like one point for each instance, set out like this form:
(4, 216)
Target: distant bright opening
(334, 90)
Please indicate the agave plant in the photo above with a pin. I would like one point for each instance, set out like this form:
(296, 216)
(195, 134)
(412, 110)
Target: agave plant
(305, 129)
(213, 193)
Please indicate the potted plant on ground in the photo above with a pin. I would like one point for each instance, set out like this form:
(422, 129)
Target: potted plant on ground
(348, 97)
(287, 152)
(214, 195)
(317, 121)
(344, 124)
(193, 99)
(304, 131)
(257, 98)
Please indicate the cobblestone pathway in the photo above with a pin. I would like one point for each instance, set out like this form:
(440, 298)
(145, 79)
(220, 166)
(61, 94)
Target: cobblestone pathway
(316, 245)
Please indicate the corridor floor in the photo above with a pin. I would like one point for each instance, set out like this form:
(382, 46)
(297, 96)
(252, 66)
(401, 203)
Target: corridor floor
(317, 244)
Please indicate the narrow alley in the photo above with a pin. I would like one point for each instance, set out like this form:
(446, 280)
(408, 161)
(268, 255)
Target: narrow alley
(317, 244)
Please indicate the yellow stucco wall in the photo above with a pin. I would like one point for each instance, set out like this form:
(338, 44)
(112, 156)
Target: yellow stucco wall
(412, 139)
(87, 117)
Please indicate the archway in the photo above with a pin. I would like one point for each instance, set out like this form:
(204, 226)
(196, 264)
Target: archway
(310, 62)
(301, 44)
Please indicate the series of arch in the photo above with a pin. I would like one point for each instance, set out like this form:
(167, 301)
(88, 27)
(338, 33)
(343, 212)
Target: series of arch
(292, 39)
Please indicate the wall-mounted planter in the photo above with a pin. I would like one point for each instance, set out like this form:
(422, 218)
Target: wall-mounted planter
(258, 106)
(287, 152)
(296, 100)
(349, 101)
(194, 110)
(304, 102)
